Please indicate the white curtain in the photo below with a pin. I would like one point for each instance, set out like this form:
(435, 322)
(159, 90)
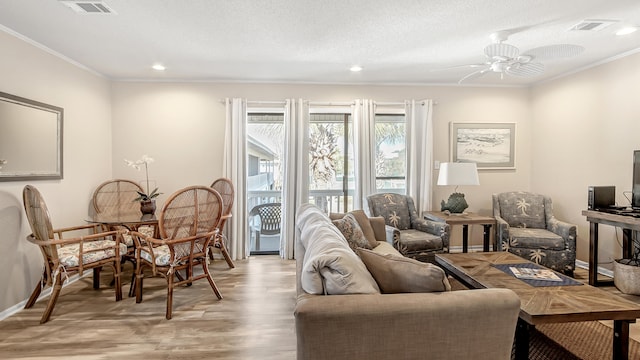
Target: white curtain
(295, 185)
(364, 151)
(234, 168)
(420, 152)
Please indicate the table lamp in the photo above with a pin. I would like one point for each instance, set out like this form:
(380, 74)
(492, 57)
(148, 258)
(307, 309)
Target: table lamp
(457, 174)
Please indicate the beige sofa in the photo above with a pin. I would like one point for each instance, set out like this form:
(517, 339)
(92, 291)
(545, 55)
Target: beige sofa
(464, 324)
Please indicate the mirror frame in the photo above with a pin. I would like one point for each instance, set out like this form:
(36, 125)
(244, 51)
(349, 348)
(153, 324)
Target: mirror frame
(59, 112)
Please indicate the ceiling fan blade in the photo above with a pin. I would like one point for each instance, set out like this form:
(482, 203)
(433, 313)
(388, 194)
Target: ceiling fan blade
(459, 66)
(558, 51)
(525, 69)
(474, 75)
(501, 50)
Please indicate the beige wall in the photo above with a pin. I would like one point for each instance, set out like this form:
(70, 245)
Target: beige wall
(181, 125)
(585, 128)
(32, 73)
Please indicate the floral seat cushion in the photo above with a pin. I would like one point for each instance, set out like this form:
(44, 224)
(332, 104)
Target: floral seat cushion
(69, 254)
(163, 254)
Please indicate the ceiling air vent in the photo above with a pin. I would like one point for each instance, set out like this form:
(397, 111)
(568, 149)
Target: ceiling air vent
(88, 7)
(592, 25)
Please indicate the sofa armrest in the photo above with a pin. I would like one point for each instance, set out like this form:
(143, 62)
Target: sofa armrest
(408, 326)
(379, 228)
(564, 229)
(502, 232)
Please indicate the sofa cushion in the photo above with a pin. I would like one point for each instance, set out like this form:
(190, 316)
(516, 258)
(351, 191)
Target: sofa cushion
(352, 232)
(399, 274)
(415, 240)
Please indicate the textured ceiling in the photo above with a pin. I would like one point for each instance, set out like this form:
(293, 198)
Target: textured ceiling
(396, 42)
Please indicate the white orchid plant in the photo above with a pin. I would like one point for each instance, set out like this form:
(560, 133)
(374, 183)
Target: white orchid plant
(145, 160)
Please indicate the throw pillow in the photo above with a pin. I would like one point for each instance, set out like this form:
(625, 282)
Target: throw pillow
(352, 232)
(399, 274)
(365, 225)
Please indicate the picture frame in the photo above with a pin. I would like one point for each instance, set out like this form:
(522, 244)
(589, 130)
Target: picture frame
(489, 145)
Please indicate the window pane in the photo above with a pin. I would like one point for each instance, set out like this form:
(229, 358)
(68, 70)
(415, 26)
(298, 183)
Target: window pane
(265, 149)
(391, 154)
(331, 163)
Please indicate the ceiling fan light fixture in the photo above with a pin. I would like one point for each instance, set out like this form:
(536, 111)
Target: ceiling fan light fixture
(158, 67)
(355, 68)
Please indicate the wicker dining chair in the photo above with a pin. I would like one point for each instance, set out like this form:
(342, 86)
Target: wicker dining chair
(65, 256)
(226, 190)
(188, 223)
(119, 196)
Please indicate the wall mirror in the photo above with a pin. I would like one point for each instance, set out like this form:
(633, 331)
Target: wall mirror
(30, 139)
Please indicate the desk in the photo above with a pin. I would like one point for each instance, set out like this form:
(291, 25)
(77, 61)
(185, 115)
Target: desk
(465, 220)
(628, 225)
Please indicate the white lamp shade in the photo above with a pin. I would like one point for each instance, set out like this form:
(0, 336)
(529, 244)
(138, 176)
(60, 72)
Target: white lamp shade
(458, 174)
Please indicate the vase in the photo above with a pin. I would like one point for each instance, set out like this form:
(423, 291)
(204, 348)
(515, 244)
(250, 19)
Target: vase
(455, 204)
(148, 207)
(626, 277)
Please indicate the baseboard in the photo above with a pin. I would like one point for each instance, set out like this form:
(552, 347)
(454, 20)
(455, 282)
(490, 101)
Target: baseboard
(602, 271)
(45, 293)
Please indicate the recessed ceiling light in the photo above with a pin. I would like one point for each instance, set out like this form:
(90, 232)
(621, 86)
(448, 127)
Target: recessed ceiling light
(356, 68)
(158, 67)
(626, 30)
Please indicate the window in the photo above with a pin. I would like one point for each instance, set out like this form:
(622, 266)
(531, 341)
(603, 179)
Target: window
(391, 153)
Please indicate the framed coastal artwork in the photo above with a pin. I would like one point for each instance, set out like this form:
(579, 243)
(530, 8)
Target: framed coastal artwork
(489, 145)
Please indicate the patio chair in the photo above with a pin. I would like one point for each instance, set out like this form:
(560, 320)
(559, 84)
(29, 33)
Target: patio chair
(226, 190)
(65, 256)
(187, 225)
(270, 218)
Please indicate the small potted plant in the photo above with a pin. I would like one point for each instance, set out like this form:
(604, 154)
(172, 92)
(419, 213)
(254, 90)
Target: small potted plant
(626, 272)
(146, 199)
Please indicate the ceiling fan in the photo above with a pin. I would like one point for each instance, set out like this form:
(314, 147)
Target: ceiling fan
(506, 59)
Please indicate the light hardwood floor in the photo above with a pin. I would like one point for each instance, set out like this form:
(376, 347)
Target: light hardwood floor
(253, 321)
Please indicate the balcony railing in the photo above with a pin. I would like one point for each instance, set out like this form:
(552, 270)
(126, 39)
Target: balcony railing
(327, 200)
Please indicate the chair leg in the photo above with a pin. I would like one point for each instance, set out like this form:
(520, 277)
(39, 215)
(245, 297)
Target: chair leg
(139, 277)
(223, 249)
(55, 292)
(169, 296)
(96, 278)
(117, 272)
(36, 293)
(205, 268)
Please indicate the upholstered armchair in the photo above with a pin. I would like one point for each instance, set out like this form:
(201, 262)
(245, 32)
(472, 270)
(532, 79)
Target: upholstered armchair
(526, 227)
(413, 236)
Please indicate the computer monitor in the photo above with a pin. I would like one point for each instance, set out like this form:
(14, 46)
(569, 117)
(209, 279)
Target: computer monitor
(635, 190)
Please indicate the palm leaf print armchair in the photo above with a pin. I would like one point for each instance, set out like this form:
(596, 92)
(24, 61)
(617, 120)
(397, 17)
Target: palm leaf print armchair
(413, 236)
(526, 227)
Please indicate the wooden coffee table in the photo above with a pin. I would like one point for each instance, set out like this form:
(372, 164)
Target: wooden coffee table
(545, 304)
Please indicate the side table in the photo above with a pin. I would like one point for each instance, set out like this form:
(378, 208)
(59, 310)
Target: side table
(465, 219)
